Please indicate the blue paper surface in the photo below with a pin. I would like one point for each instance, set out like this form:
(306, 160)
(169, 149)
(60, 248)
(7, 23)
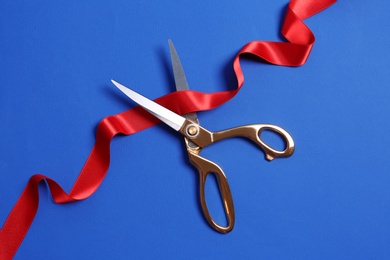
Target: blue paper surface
(330, 200)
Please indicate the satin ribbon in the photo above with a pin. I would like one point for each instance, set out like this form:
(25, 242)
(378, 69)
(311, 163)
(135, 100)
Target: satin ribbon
(291, 53)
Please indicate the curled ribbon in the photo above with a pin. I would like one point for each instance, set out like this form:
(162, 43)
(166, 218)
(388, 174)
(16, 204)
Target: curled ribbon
(292, 53)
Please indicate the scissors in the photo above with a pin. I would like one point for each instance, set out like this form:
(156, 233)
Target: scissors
(196, 137)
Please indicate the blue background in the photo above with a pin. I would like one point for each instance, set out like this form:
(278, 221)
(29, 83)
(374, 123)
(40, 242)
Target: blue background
(330, 200)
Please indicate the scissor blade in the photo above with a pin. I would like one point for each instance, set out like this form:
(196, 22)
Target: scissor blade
(179, 75)
(165, 115)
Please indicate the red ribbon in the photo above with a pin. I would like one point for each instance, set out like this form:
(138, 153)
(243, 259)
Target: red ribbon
(291, 53)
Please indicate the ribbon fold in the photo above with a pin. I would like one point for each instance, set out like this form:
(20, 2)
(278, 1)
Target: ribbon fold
(292, 53)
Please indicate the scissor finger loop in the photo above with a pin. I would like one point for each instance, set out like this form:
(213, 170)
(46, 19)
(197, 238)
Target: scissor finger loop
(270, 152)
(206, 167)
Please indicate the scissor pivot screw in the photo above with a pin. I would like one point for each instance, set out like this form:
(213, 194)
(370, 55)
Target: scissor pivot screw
(192, 130)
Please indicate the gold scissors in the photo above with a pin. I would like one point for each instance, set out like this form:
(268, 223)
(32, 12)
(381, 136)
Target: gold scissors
(197, 137)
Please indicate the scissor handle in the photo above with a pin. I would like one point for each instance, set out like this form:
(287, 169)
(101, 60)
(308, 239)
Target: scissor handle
(253, 132)
(206, 167)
